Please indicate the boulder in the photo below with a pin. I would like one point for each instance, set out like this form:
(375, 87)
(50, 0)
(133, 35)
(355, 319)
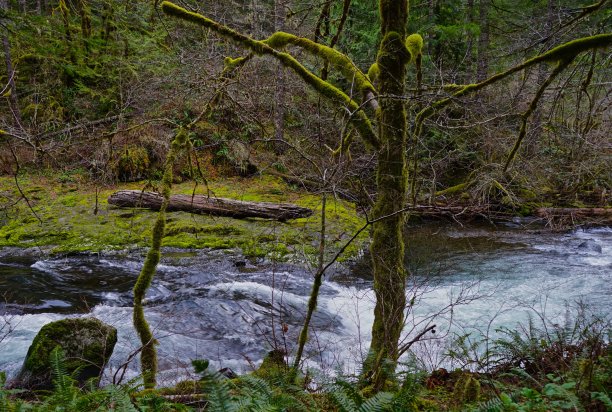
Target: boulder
(87, 344)
(590, 245)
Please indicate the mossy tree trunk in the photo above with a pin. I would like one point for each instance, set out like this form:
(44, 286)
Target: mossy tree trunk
(148, 354)
(387, 247)
(11, 90)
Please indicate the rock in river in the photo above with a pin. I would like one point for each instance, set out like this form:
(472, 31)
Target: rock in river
(87, 344)
(590, 245)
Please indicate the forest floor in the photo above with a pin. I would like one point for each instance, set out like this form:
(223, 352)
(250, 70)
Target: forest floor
(63, 214)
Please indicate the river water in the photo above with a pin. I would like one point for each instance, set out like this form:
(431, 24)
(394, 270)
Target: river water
(222, 307)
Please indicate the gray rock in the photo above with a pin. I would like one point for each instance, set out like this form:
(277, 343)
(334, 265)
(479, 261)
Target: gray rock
(87, 344)
(590, 245)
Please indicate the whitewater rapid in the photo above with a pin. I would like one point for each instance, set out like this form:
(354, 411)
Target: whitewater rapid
(222, 307)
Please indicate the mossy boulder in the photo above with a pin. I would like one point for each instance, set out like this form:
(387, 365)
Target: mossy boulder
(87, 344)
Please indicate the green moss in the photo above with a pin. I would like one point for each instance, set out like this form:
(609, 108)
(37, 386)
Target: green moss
(69, 200)
(76, 228)
(88, 344)
(453, 189)
(273, 366)
(133, 164)
(373, 72)
(467, 389)
(338, 60)
(414, 44)
(360, 120)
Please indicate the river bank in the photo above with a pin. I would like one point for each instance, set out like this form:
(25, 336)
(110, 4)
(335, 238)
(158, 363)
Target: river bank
(67, 214)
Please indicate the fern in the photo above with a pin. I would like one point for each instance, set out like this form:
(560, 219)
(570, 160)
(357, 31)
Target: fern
(344, 402)
(378, 403)
(218, 389)
(5, 394)
(65, 392)
(120, 398)
(350, 390)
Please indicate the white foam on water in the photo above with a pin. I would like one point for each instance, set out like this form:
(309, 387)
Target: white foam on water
(257, 291)
(544, 277)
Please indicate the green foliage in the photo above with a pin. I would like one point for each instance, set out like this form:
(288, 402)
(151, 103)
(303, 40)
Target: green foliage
(360, 37)
(84, 71)
(67, 396)
(249, 393)
(537, 368)
(133, 164)
(467, 389)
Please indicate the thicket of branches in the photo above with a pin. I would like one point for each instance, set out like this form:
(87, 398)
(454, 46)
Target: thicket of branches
(102, 83)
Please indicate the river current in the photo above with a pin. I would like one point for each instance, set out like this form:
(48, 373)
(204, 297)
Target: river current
(220, 306)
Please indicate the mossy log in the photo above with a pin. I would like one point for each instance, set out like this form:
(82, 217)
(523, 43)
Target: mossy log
(209, 205)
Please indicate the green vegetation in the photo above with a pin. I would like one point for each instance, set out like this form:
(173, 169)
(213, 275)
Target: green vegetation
(568, 369)
(93, 92)
(70, 224)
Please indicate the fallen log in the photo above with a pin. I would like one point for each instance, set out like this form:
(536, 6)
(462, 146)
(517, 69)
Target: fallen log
(209, 205)
(574, 211)
(567, 215)
(571, 215)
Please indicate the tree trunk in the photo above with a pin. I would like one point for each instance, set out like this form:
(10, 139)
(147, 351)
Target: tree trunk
(387, 247)
(542, 75)
(469, 58)
(10, 73)
(482, 65)
(279, 85)
(209, 205)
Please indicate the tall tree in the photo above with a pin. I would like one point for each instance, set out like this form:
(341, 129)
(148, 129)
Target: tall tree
(387, 247)
(279, 84)
(383, 105)
(482, 64)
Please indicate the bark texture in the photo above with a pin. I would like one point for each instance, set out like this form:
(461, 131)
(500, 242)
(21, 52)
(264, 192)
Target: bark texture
(209, 205)
(387, 247)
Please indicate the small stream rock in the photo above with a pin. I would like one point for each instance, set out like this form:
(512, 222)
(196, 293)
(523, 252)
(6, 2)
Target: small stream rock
(591, 246)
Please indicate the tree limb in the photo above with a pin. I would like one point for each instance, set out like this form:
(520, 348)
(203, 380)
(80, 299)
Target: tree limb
(361, 121)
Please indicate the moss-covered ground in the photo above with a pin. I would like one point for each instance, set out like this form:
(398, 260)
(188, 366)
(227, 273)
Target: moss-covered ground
(70, 223)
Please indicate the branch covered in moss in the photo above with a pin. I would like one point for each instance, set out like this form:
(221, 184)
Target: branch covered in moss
(361, 121)
(532, 106)
(563, 53)
(148, 356)
(338, 60)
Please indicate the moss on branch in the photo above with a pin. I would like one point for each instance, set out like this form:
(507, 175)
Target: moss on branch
(338, 60)
(360, 121)
(148, 356)
(414, 44)
(562, 54)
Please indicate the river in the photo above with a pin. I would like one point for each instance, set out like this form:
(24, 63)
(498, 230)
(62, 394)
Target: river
(217, 305)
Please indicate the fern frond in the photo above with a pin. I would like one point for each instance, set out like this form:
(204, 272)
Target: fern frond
(377, 403)
(344, 402)
(65, 391)
(219, 396)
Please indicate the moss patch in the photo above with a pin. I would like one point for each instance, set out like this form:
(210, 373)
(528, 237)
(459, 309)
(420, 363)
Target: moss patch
(69, 224)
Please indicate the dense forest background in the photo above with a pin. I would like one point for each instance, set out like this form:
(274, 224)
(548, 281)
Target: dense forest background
(98, 87)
